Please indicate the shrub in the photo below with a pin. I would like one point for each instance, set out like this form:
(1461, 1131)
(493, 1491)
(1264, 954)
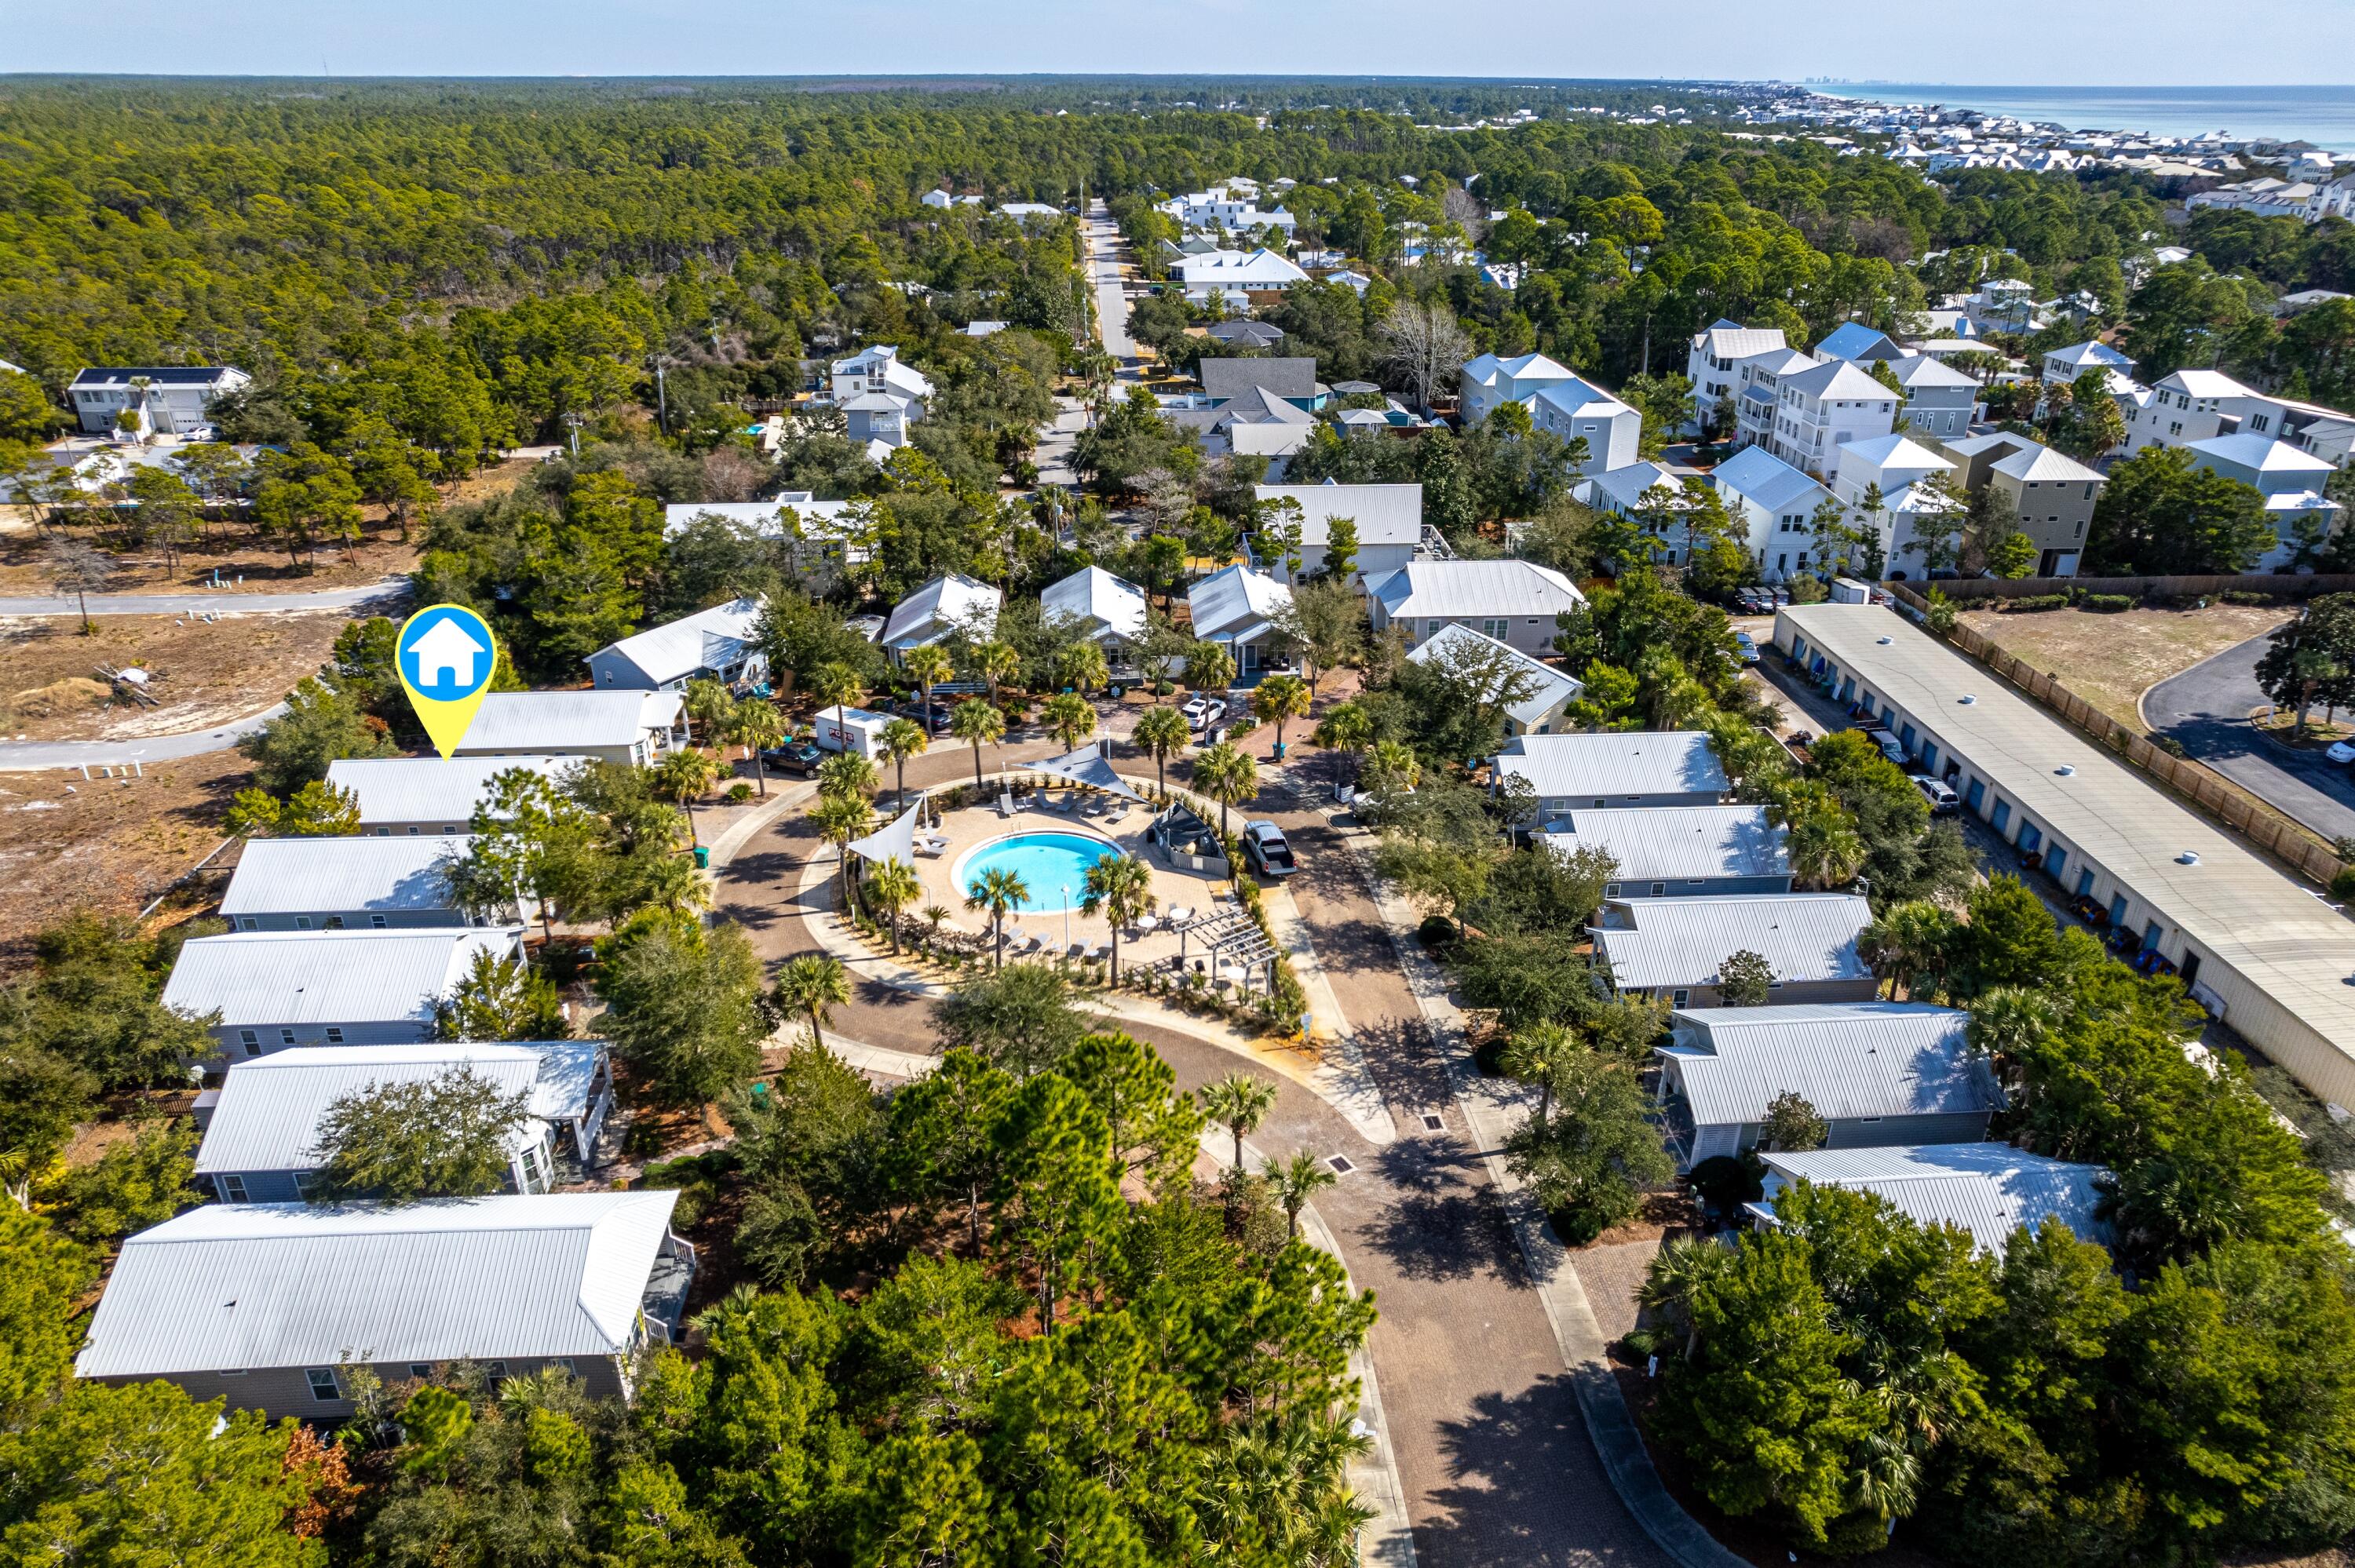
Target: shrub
(2106, 603)
(1437, 933)
(2167, 743)
(696, 1178)
(2243, 596)
(2035, 601)
(738, 794)
(2342, 885)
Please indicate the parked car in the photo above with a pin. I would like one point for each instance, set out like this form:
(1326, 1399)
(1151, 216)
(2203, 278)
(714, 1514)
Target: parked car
(793, 756)
(1890, 748)
(1264, 847)
(1203, 711)
(1944, 802)
(1744, 648)
(1754, 601)
(2342, 752)
(934, 718)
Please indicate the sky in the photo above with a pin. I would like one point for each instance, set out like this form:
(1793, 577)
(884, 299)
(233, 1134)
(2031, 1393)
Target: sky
(2127, 42)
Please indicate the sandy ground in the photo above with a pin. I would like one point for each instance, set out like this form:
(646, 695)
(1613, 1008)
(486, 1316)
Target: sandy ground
(2111, 660)
(204, 674)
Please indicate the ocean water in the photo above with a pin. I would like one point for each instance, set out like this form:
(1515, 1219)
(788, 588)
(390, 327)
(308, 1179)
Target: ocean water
(2322, 115)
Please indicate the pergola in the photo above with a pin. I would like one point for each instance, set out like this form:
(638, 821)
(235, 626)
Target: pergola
(1086, 766)
(1230, 937)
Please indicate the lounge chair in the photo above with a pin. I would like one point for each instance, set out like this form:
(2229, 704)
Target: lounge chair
(1062, 803)
(1076, 950)
(1095, 805)
(1100, 951)
(932, 845)
(1004, 804)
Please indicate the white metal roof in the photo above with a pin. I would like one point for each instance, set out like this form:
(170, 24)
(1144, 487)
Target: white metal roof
(1576, 395)
(1475, 590)
(1988, 1189)
(2233, 905)
(1837, 380)
(712, 639)
(940, 607)
(1384, 514)
(1553, 688)
(236, 1285)
(1849, 1060)
(1261, 268)
(299, 876)
(1485, 370)
(431, 788)
(1599, 766)
(2040, 464)
(268, 1115)
(559, 722)
(327, 976)
(1677, 842)
(2260, 453)
(1236, 604)
(1892, 454)
(1112, 607)
(1918, 372)
(2204, 384)
(1727, 340)
(813, 519)
(1766, 480)
(1803, 937)
(2086, 355)
(1627, 484)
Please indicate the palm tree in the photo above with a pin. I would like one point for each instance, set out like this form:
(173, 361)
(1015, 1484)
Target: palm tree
(1346, 727)
(892, 887)
(1390, 765)
(1680, 1268)
(837, 685)
(1209, 668)
(839, 819)
(1070, 716)
(924, 666)
(976, 723)
(1825, 848)
(814, 985)
(1237, 1102)
(1081, 667)
(707, 706)
(845, 775)
(1162, 733)
(903, 738)
(1536, 1056)
(1120, 887)
(935, 915)
(1278, 698)
(1228, 774)
(998, 662)
(683, 776)
(1295, 1181)
(997, 890)
(1908, 943)
(757, 725)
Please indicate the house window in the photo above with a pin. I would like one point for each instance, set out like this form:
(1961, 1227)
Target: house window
(334, 1036)
(1659, 890)
(376, 922)
(232, 1189)
(564, 1363)
(1610, 890)
(248, 923)
(1679, 998)
(384, 832)
(421, 1371)
(499, 1371)
(530, 1162)
(332, 922)
(412, 830)
(286, 1037)
(1495, 629)
(250, 1041)
(326, 1387)
(301, 922)
(230, 1371)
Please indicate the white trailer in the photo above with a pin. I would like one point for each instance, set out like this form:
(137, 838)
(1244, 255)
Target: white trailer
(1848, 590)
(854, 730)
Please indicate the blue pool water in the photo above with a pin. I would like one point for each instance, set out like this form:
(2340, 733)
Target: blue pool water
(1046, 862)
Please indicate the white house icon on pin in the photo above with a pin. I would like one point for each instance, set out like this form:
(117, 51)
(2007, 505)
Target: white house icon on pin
(446, 649)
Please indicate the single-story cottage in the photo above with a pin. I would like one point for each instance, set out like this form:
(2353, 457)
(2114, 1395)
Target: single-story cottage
(1513, 601)
(271, 989)
(939, 609)
(1237, 609)
(1680, 851)
(329, 884)
(711, 644)
(425, 795)
(629, 727)
(1566, 772)
(1551, 691)
(1677, 948)
(1989, 1190)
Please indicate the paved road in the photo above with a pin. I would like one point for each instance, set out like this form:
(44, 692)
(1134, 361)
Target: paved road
(1103, 265)
(201, 603)
(1495, 1461)
(2207, 708)
(33, 755)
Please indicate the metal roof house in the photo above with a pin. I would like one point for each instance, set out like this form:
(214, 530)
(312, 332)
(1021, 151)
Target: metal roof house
(276, 988)
(1237, 610)
(1551, 690)
(1389, 519)
(1293, 379)
(1106, 608)
(329, 884)
(259, 1304)
(261, 1126)
(1680, 851)
(2253, 947)
(1513, 601)
(1989, 1190)
(1775, 505)
(420, 795)
(167, 399)
(1675, 767)
(715, 645)
(939, 609)
(631, 727)
(1877, 1071)
(1676, 947)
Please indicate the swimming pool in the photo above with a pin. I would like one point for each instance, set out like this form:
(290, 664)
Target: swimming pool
(1046, 864)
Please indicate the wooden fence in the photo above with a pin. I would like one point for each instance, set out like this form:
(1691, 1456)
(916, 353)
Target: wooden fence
(2282, 585)
(2196, 783)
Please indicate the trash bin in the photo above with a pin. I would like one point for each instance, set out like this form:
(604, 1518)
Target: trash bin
(703, 857)
(1217, 734)
(1119, 692)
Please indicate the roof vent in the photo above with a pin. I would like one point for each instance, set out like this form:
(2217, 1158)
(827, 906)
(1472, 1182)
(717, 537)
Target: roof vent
(1884, 641)
(1967, 699)
(2188, 857)
(2066, 770)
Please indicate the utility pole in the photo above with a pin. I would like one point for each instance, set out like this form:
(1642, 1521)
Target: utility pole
(574, 422)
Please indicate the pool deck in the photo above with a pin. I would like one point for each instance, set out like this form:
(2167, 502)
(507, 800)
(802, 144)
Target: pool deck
(971, 827)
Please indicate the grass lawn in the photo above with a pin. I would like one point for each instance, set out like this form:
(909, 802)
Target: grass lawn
(2111, 660)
